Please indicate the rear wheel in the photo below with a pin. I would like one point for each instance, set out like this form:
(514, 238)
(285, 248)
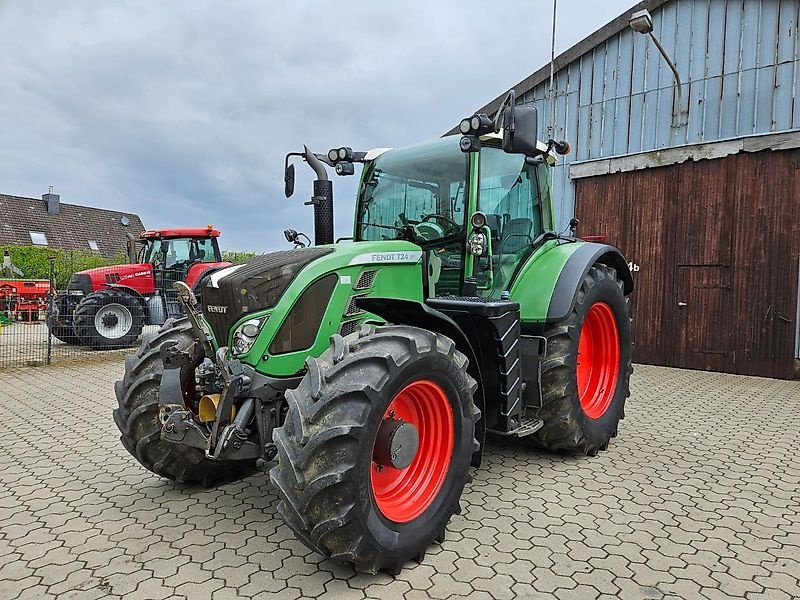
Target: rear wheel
(586, 373)
(109, 319)
(138, 422)
(375, 450)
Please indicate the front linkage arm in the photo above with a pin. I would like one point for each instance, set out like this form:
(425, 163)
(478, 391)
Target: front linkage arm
(178, 425)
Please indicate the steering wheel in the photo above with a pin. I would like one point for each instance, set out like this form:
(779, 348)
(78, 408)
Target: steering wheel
(447, 222)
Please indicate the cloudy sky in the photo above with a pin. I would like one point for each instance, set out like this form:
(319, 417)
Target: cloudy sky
(182, 111)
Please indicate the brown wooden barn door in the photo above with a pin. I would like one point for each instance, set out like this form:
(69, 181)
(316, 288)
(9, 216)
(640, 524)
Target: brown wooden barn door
(700, 308)
(703, 304)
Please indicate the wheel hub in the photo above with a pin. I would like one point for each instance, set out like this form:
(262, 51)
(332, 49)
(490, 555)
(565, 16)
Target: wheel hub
(110, 319)
(396, 444)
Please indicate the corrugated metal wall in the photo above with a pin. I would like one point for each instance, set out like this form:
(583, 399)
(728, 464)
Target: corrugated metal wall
(740, 65)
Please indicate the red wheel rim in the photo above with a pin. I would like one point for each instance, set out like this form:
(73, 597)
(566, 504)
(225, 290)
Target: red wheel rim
(598, 360)
(404, 494)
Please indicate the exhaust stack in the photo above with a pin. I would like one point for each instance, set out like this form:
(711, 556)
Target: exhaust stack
(322, 200)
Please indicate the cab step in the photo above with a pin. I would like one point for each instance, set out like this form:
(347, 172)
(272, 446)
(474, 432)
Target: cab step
(529, 425)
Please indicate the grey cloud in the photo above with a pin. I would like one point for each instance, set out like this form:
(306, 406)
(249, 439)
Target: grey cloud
(182, 111)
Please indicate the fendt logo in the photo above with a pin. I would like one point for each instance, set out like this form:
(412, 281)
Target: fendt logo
(212, 308)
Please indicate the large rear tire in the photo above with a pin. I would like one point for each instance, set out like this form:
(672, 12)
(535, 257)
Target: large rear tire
(65, 334)
(109, 319)
(586, 373)
(137, 415)
(352, 485)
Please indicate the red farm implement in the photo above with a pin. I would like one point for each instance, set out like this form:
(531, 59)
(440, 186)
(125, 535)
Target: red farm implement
(23, 299)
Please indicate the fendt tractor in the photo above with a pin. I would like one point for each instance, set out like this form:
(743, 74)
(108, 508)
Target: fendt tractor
(371, 369)
(106, 307)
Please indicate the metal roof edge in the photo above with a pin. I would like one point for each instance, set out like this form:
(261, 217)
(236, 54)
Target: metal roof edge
(565, 58)
(782, 140)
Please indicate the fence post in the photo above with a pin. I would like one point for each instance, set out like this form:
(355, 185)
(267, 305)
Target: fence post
(51, 300)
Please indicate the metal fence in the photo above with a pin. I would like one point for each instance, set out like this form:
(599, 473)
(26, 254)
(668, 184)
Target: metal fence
(45, 321)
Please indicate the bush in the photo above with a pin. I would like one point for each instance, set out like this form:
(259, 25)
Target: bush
(34, 264)
(235, 256)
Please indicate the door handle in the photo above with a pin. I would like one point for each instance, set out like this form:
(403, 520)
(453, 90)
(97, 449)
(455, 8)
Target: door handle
(681, 304)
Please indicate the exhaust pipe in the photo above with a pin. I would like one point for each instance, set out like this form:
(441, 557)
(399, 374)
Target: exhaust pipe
(322, 200)
(130, 244)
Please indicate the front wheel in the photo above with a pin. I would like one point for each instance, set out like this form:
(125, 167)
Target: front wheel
(586, 373)
(375, 450)
(109, 319)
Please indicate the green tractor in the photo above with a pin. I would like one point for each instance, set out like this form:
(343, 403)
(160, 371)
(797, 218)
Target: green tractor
(372, 369)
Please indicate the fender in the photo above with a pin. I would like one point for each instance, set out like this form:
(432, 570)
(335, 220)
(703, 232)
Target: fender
(130, 291)
(418, 314)
(547, 284)
(575, 269)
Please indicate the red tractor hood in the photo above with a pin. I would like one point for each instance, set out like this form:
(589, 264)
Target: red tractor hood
(138, 277)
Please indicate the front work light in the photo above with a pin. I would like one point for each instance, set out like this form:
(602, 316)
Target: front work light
(478, 220)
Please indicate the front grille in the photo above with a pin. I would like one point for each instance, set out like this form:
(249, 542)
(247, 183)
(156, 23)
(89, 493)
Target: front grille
(80, 281)
(256, 285)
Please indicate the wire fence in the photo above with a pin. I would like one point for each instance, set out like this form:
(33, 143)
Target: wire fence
(96, 314)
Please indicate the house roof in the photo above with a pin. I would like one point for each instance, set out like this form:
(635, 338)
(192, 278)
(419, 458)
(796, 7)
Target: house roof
(565, 58)
(71, 229)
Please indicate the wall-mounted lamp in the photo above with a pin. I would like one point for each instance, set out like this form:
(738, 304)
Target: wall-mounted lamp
(642, 22)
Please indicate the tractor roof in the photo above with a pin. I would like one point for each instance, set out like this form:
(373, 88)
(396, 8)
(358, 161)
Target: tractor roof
(181, 232)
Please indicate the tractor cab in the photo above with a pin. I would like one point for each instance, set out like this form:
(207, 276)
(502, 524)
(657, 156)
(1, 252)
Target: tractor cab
(422, 193)
(176, 253)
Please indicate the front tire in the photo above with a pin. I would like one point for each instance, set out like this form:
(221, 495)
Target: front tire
(109, 319)
(586, 373)
(348, 489)
(137, 415)
(65, 334)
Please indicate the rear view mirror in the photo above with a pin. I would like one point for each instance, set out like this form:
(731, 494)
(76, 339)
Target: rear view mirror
(520, 124)
(288, 180)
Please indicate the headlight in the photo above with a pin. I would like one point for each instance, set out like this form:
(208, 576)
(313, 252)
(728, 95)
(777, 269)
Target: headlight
(245, 335)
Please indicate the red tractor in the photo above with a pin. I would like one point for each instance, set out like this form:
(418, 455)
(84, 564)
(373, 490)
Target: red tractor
(106, 307)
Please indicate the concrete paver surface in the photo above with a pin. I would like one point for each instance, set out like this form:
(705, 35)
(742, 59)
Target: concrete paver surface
(697, 498)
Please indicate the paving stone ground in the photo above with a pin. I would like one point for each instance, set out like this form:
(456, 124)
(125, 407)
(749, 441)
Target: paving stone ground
(697, 498)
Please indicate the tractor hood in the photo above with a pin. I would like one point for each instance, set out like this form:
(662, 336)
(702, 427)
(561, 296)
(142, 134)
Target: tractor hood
(276, 280)
(138, 276)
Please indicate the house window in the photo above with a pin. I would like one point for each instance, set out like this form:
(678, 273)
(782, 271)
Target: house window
(93, 245)
(38, 238)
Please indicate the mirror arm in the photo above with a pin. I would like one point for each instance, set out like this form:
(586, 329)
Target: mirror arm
(507, 101)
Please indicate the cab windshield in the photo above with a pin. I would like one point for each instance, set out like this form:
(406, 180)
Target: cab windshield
(177, 251)
(415, 193)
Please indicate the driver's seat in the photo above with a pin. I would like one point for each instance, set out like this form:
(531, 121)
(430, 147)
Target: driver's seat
(516, 235)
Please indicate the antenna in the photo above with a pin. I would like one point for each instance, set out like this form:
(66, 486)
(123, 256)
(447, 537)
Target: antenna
(551, 108)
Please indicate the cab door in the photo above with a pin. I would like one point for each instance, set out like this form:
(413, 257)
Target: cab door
(514, 196)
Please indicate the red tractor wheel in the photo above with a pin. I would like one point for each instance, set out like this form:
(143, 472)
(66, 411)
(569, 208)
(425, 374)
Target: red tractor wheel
(587, 368)
(376, 446)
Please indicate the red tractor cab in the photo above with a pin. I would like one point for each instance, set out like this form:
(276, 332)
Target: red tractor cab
(106, 307)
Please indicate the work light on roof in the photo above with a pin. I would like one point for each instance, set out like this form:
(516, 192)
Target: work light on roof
(477, 124)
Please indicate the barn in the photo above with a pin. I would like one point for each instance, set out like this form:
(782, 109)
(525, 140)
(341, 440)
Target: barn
(685, 126)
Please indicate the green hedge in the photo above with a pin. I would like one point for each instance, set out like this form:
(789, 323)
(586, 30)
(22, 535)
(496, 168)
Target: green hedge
(34, 264)
(235, 256)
